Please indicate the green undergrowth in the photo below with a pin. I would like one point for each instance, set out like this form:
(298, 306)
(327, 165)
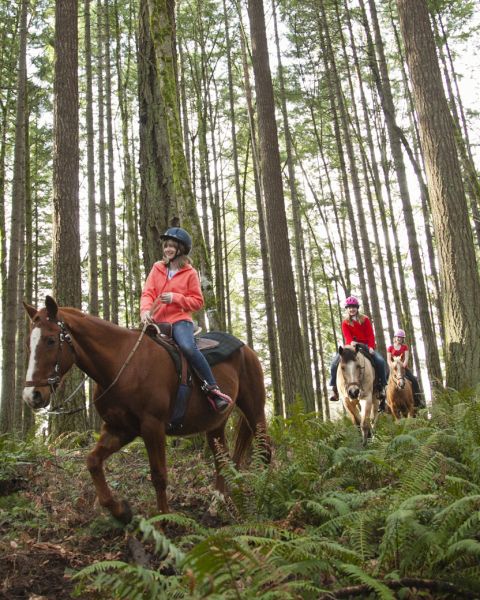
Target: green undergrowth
(327, 518)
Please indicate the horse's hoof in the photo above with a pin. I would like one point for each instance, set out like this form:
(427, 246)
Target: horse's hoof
(124, 514)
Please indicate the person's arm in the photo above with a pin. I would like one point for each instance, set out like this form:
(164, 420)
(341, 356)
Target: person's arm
(406, 355)
(148, 296)
(347, 333)
(389, 356)
(369, 334)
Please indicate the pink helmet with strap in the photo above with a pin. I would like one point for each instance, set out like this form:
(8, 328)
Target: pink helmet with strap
(352, 301)
(400, 333)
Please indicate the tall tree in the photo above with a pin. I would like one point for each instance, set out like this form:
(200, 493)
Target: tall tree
(66, 219)
(297, 375)
(16, 231)
(459, 271)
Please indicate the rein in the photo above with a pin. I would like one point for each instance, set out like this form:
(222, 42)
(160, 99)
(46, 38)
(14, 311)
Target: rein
(53, 381)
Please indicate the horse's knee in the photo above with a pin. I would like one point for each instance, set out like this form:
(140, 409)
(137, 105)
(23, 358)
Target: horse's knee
(93, 462)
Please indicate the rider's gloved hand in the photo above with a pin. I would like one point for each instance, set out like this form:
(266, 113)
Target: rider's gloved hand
(146, 317)
(371, 350)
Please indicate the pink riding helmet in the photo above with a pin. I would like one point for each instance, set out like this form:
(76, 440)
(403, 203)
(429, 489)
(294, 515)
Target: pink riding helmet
(400, 333)
(352, 301)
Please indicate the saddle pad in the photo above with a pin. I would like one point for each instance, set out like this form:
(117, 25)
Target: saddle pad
(227, 345)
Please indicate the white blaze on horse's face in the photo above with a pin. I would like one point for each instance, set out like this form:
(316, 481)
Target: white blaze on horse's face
(351, 378)
(30, 395)
(400, 377)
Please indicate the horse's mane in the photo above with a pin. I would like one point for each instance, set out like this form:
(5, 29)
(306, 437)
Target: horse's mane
(348, 354)
(76, 312)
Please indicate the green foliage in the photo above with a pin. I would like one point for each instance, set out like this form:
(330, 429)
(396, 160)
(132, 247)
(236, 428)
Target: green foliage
(326, 513)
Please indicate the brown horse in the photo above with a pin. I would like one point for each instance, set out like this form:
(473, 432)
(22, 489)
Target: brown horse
(399, 391)
(136, 387)
(355, 381)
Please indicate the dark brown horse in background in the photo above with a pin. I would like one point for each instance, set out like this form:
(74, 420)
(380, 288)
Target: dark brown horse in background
(140, 401)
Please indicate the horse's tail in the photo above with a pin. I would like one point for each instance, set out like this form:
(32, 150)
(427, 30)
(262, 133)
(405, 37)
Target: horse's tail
(251, 402)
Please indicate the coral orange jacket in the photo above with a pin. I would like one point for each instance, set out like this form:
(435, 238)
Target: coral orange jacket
(359, 332)
(186, 293)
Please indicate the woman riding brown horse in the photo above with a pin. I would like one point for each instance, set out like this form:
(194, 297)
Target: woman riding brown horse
(136, 388)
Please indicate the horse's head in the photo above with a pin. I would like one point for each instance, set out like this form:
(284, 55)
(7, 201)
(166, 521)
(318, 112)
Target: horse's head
(51, 354)
(398, 373)
(352, 370)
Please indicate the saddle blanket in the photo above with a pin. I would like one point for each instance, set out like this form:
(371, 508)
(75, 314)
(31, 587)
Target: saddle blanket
(227, 345)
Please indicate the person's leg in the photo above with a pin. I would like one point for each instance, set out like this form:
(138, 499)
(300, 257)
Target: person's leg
(381, 369)
(333, 378)
(417, 394)
(333, 370)
(182, 332)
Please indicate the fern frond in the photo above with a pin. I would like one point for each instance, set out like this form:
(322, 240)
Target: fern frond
(354, 573)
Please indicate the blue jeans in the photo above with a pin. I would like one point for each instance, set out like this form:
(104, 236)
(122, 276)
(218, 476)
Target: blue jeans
(378, 361)
(182, 332)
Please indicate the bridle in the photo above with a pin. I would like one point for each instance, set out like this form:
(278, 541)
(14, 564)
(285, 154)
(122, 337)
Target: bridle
(397, 379)
(361, 378)
(54, 380)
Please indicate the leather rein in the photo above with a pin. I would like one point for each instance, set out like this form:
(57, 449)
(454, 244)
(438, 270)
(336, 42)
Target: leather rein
(54, 380)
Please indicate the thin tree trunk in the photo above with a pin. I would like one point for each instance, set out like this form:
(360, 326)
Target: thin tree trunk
(297, 377)
(278, 404)
(66, 225)
(9, 346)
(236, 174)
(112, 229)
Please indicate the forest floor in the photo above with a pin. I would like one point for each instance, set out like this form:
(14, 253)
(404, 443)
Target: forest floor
(51, 525)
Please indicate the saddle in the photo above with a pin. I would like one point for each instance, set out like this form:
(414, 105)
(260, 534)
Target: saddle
(216, 346)
(363, 348)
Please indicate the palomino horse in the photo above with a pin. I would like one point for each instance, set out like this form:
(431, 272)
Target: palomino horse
(355, 380)
(399, 391)
(140, 400)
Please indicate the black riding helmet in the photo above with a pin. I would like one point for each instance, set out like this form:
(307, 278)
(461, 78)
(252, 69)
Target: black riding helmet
(179, 235)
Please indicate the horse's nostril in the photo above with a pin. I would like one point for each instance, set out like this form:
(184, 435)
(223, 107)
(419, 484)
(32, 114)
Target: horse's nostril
(37, 396)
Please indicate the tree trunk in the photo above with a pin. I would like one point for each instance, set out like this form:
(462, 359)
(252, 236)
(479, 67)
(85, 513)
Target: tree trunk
(380, 73)
(66, 227)
(459, 273)
(297, 376)
(9, 337)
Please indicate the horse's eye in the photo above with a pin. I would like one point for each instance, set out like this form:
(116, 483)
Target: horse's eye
(50, 341)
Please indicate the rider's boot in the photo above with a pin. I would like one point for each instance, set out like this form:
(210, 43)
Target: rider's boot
(217, 399)
(381, 396)
(333, 397)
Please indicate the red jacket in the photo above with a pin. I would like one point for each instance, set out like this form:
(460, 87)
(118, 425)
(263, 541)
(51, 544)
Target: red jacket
(354, 331)
(186, 293)
(400, 352)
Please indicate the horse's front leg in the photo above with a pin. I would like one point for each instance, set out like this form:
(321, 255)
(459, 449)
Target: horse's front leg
(153, 434)
(367, 418)
(218, 446)
(351, 407)
(108, 444)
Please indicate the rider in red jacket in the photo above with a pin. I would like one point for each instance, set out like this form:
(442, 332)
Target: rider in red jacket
(357, 329)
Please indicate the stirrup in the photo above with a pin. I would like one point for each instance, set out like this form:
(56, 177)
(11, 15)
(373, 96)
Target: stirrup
(219, 401)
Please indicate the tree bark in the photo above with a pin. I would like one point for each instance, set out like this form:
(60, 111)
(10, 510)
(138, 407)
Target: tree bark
(9, 338)
(459, 273)
(297, 375)
(66, 226)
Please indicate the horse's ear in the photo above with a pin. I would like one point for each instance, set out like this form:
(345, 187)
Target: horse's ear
(31, 310)
(356, 348)
(340, 350)
(51, 307)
